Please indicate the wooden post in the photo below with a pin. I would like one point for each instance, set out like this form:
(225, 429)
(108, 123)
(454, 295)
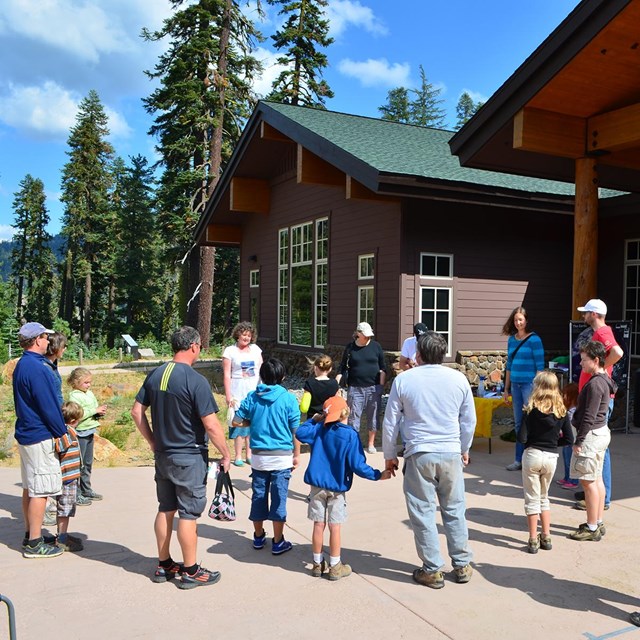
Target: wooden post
(80, 357)
(585, 234)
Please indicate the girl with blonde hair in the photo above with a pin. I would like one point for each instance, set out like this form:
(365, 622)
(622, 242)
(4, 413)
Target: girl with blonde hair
(545, 426)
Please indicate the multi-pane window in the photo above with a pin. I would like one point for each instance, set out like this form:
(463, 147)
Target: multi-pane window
(632, 291)
(436, 265)
(365, 304)
(365, 267)
(303, 283)
(254, 278)
(435, 311)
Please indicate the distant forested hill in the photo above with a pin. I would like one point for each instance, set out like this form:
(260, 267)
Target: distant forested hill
(6, 247)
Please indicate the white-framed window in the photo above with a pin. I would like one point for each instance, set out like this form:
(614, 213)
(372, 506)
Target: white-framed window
(303, 283)
(436, 310)
(254, 278)
(632, 291)
(436, 265)
(366, 267)
(365, 304)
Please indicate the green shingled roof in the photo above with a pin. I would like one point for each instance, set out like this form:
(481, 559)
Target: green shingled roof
(391, 147)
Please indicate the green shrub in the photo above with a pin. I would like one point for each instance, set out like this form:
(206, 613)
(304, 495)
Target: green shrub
(117, 434)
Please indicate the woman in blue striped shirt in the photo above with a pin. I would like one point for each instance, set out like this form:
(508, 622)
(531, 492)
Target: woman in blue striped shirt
(525, 357)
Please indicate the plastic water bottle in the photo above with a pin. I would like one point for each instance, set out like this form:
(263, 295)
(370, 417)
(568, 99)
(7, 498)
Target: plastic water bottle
(499, 387)
(481, 387)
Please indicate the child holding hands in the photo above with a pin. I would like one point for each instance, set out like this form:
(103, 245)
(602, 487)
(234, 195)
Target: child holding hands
(545, 418)
(336, 454)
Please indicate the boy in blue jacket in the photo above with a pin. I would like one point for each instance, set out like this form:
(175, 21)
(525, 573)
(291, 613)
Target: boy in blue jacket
(336, 454)
(273, 415)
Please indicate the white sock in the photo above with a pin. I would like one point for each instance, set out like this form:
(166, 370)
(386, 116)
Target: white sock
(333, 561)
(600, 522)
(592, 527)
(318, 558)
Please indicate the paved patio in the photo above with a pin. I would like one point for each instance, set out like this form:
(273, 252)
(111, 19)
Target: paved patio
(577, 590)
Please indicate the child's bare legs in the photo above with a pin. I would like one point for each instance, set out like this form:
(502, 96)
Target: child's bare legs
(594, 493)
(237, 443)
(317, 538)
(334, 541)
(63, 525)
(532, 521)
(545, 522)
(372, 437)
(247, 448)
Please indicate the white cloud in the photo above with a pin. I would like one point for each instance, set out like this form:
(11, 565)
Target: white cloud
(345, 13)
(49, 111)
(376, 73)
(79, 27)
(475, 95)
(271, 70)
(6, 232)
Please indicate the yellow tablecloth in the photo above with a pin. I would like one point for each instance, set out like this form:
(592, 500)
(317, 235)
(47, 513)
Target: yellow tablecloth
(484, 414)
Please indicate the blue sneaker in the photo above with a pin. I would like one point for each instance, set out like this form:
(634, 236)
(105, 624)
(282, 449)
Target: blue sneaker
(259, 541)
(280, 547)
(201, 578)
(164, 575)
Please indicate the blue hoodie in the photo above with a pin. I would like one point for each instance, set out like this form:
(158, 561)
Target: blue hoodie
(274, 415)
(336, 454)
(35, 395)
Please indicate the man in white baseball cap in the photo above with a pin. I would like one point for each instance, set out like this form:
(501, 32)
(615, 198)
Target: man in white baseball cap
(594, 312)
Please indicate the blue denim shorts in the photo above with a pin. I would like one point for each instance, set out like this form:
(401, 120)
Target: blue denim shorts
(265, 485)
(181, 483)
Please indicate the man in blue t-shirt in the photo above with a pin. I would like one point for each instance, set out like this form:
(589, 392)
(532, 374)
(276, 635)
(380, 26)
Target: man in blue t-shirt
(183, 415)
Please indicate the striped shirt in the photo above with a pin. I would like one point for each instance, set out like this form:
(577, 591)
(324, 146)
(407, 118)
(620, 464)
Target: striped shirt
(528, 360)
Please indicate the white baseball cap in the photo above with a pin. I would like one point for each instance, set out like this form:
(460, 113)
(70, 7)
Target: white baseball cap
(365, 329)
(596, 305)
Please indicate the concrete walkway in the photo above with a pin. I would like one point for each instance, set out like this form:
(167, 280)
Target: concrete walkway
(577, 590)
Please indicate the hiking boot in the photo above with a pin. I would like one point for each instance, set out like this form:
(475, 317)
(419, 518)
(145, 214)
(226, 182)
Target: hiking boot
(634, 618)
(545, 542)
(339, 571)
(82, 501)
(514, 466)
(434, 580)
(201, 578)
(579, 495)
(70, 543)
(259, 541)
(463, 574)
(41, 550)
(280, 547)
(602, 528)
(510, 436)
(92, 495)
(584, 533)
(533, 545)
(164, 575)
(319, 568)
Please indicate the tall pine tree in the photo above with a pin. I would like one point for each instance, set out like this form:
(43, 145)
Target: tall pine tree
(32, 261)
(426, 108)
(303, 34)
(200, 107)
(465, 109)
(87, 220)
(397, 107)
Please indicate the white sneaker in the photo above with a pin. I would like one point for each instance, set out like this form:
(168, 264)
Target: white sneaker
(514, 466)
(371, 450)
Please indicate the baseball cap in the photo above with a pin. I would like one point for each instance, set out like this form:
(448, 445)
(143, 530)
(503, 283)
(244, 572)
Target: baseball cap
(33, 330)
(333, 408)
(595, 305)
(419, 329)
(365, 329)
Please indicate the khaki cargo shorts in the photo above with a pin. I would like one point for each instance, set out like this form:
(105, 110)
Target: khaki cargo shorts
(588, 465)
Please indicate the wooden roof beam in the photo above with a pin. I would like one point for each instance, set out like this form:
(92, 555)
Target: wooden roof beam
(619, 129)
(267, 132)
(314, 170)
(357, 191)
(249, 195)
(548, 132)
(225, 235)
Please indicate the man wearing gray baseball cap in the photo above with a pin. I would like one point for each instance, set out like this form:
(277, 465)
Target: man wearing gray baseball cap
(38, 422)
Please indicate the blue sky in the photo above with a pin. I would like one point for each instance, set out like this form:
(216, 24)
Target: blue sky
(54, 51)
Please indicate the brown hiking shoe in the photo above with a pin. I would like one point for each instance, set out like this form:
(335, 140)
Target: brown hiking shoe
(545, 542)
(584, 533)
(319, 568)
(434, 580)
(463, 574)
(339, 571)
(533, 545)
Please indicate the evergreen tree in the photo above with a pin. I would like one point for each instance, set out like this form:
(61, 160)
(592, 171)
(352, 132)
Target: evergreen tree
(304, 32)
(201, 104)
(397, 107)
(426, 109)
(138, 283)
(32, 261)
(87, 219)
(465, 109)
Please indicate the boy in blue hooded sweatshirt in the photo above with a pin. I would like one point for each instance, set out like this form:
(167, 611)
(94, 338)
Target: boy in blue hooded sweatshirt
(273, 415)
(336, 454)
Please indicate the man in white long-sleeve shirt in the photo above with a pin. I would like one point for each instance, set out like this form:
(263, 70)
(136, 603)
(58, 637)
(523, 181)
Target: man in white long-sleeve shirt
(431, 407)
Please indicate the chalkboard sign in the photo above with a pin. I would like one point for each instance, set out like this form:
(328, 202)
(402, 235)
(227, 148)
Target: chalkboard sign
(580, 333)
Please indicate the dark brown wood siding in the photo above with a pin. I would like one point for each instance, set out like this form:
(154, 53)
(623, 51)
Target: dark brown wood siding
(355, 227)
(502, 258)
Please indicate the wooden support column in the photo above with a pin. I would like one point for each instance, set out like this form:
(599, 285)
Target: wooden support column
(585, 234)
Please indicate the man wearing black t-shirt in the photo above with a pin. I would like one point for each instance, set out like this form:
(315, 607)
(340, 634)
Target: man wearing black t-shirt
(183, 415)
